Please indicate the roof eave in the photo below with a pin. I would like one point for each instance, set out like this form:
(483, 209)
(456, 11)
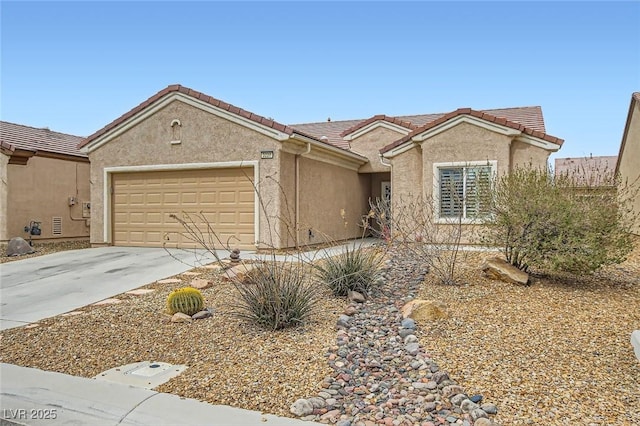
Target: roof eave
(635, 98)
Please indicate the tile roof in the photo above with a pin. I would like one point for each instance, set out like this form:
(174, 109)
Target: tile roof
(204, 98)
(530, 117)
(333, 132)
(527, 114)
(592, 171)
(37, 139)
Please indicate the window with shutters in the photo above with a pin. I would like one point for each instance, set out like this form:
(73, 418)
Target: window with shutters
(462, 190)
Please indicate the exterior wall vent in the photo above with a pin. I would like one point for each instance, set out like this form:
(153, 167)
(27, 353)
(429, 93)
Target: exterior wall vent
(56, 225)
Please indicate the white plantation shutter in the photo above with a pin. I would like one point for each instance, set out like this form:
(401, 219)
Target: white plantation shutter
(464, 191)
(477, 181)
(451, 192)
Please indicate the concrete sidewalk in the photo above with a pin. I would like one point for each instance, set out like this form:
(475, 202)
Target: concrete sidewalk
(29, 396)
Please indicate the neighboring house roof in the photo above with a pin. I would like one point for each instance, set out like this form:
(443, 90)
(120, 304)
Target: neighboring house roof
(635, 99)
(37, 140)
(335, 131)
(204, 98)
(588, 171)
(489, 117)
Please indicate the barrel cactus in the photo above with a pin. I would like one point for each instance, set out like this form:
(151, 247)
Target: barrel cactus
(187, 300)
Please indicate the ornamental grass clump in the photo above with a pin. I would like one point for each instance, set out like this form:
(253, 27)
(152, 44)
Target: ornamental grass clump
(354, 269)
(276, 295)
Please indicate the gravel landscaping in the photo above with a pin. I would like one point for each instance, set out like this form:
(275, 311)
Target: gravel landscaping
(43, 248)
(554, 353)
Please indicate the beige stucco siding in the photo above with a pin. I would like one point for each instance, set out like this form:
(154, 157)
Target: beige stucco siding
(4, 192)
(333, 200)
(206, 140)
(463, 143)
(628, 168)
(40, 191)
(413, 170)
(524, 155)
(406, 175)
(369, 144)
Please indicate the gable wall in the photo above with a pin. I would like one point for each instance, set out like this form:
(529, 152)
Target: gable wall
(628, 169)
(205, 138)
(524, 154)
(369, 145)
(40, 190)
(463, 143)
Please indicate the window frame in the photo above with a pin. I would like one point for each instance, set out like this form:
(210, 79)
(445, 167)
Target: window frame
(493, 164)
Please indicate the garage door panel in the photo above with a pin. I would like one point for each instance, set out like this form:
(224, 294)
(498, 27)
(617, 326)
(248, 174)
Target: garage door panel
(144, 201)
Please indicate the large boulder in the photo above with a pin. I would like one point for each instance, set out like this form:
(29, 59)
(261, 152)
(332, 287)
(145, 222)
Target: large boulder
(19, 246)
(424, 310)
(497, 268)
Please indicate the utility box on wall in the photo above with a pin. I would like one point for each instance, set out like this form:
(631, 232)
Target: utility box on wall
(86, 210)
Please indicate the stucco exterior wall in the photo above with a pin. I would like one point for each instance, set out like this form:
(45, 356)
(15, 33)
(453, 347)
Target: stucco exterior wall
(4, 191)
(406, 175)
(326, 192)
(463, 143)
(524, 154)
(628, 168)
(369, 145)
(40, 190)
(205, 138)
(413, 170)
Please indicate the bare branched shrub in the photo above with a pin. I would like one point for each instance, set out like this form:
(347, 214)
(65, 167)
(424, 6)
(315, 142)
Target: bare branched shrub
(565, 223)
(413, 227)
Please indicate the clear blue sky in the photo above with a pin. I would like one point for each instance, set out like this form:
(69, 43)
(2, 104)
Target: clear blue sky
(76, 66)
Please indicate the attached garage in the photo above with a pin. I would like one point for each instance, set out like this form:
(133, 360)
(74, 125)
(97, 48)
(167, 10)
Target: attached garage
(182, 151)
(143, 202)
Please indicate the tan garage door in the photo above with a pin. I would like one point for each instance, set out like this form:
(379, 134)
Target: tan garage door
(144, 201)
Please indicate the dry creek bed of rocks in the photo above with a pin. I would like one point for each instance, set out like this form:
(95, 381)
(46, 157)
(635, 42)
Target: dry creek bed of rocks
(554, 353)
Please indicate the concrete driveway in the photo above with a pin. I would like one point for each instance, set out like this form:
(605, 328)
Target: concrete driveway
(45, 286)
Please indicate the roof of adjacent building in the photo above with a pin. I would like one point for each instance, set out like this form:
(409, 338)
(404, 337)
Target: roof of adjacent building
(588, 171)
(17, 136)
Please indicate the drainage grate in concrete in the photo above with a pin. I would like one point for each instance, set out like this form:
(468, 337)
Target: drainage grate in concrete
(143, 374)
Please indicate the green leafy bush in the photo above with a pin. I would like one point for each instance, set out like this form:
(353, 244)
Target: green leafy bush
(559, 223)
(276, 295)
(355, 269)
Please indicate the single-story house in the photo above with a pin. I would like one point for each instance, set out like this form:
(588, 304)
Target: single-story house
(44, 193)
(260, 182)
(628, 165)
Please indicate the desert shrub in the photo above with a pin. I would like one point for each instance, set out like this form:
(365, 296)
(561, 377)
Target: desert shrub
(412, 228)
(276, 295)
(187, 300)
(559, 223)
(353, 269)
